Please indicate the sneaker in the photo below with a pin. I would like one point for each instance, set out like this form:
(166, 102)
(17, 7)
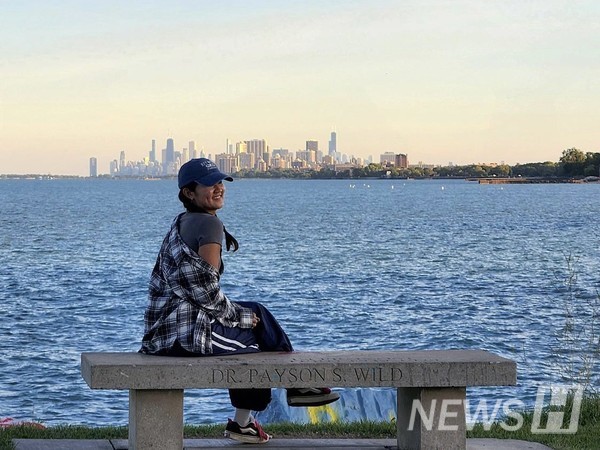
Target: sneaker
(311, 397)
(250, 434)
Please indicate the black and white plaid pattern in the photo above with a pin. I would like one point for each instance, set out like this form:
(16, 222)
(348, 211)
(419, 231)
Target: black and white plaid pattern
(184, 295)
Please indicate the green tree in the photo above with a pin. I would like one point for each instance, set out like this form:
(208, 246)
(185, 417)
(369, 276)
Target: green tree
(428, 172)
(372, 170)
(545, 169)
(573, 162)
(476, 171)
(502, 171)
(572, 155)
(592, 164)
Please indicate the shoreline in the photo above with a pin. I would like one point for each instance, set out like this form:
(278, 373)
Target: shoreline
(480, 180)
(532, 180)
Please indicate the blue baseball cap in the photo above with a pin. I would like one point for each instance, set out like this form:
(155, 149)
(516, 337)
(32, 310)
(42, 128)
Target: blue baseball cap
(202, 171)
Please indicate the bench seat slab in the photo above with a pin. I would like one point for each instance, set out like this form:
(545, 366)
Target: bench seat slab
(431, 368)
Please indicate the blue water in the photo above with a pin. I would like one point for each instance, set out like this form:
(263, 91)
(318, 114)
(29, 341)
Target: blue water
(379, 264)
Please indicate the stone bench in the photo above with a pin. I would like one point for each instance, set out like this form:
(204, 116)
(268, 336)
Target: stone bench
(437, 378)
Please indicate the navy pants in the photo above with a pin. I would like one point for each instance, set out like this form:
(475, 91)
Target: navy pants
(270, 337)
(267, 336)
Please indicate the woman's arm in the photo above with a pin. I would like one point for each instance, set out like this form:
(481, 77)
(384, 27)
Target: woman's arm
(211, 253)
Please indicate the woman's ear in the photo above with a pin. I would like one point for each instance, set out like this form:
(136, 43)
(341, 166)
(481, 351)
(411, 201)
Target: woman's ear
(188, 193)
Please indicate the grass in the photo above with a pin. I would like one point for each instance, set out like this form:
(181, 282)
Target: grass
(373, 430)
(586, 438)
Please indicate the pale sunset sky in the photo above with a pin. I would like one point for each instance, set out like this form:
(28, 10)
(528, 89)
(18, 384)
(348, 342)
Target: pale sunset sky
(443, 81)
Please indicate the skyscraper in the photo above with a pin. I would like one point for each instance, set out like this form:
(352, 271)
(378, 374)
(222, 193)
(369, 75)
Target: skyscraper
(401, 161)
(246, 160)
(312, 145)
(387, 158)
(312, 154)
(226, 162)
(114, 168)
(122, 161)
(241, 147)
(333, 143)
(170, 151)
(258, 147)
(153, 151)
(93, 167)
(192, 149)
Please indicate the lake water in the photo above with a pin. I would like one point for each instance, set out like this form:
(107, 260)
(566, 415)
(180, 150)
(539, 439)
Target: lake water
(343, 264)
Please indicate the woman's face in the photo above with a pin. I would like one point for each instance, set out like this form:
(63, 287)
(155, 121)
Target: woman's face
(209, 198)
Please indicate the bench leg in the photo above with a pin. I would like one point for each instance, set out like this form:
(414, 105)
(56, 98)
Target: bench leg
(155, 419)
(431, 418)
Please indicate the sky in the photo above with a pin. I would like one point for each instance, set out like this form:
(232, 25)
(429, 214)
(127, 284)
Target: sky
(442, 81)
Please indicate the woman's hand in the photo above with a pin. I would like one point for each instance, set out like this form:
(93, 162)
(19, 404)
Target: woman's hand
(255, 320)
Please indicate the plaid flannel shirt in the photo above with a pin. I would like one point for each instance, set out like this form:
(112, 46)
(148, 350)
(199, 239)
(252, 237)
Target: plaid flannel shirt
(184, 296)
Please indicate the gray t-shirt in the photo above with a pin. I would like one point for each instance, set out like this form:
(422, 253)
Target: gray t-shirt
(197, 229)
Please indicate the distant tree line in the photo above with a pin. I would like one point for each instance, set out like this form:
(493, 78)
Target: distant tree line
(576, 163)
(573, 163)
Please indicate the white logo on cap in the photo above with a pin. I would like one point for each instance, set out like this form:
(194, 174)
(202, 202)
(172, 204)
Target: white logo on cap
(209, 164)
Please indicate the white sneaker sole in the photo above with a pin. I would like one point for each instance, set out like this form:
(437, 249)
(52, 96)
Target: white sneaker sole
(245, 438)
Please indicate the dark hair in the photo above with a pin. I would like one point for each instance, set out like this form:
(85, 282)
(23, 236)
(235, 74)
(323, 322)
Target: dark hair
(187, 202)
(230, 241)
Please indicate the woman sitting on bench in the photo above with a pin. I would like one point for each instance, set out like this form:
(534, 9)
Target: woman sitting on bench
(188, 314)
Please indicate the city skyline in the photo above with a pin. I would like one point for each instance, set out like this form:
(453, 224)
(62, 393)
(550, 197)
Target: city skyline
(253, 154)
(462, 82)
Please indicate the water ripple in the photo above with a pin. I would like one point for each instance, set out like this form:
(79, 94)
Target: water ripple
(365, 268)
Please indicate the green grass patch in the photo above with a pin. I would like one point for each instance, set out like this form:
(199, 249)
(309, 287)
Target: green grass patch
(325, 430)
(59, 432)
(587, 436)
(281, 430)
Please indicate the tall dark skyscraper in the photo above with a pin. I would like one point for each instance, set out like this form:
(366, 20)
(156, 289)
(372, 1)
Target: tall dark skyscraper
(333, 143)
(170, 151)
